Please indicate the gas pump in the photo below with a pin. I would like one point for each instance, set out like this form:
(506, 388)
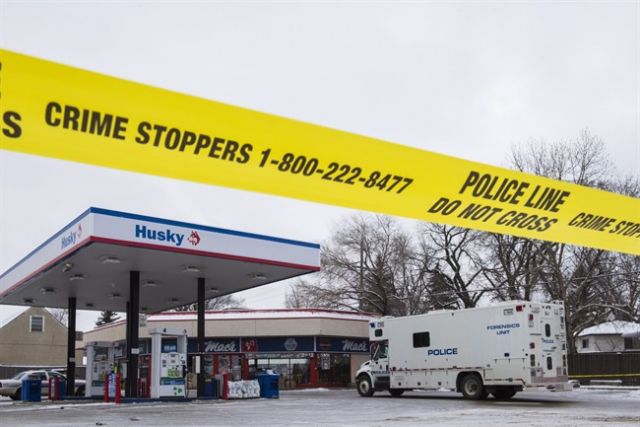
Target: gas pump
(168, 370)
(172, 374)
(100, 356)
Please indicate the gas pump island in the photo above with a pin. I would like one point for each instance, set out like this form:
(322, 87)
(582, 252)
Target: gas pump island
(166, 376)
(118, 261)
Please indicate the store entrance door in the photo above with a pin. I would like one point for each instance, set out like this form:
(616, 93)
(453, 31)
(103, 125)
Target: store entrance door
(334, 370)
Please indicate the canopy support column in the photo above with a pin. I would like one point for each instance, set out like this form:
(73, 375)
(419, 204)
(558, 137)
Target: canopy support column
(200, 327)
(132, 328)
(71, 347)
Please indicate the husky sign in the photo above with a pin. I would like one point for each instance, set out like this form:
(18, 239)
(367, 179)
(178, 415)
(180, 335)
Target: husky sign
(71, 238)
(163, 235)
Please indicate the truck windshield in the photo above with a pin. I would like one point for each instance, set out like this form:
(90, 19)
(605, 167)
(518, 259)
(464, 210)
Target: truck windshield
(379, 350)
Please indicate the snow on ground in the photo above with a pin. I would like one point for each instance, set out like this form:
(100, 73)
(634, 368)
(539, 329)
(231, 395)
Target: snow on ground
(345, 408)
(310, 390)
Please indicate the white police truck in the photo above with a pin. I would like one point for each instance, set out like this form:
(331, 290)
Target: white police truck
(497, 350)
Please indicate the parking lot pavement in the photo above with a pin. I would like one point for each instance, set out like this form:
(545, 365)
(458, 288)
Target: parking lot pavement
(344, 408)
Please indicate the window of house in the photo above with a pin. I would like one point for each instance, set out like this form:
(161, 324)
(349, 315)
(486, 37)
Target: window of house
(628, 343)
(421, 339)
(585, 343)
(36, 324)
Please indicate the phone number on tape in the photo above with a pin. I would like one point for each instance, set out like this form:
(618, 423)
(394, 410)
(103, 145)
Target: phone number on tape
(336, 172)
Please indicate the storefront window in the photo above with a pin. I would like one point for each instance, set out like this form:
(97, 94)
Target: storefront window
(300, 371)
(280, 366)
(337, 372)
(293, 371)
(230, 364)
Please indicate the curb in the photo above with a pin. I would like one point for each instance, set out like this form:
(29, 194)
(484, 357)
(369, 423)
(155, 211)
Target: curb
(609, 387)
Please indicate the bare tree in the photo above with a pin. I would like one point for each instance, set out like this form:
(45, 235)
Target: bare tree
(421, 291)
(582, 161)
(625, 291)
(459, 263)
(60, 314)
(305, 294)
(514, 267)
(369, 264)
(578, 276)
(225, 302)
(362, 262)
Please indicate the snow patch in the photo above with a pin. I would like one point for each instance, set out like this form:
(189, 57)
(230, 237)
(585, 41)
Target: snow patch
(309, 390)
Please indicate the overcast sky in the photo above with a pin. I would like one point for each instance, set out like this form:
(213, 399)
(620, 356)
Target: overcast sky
(468, 79)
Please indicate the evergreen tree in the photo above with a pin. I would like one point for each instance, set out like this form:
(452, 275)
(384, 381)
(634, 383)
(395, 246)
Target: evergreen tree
(107, 316)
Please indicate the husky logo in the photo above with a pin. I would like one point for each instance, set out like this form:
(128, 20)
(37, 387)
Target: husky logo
(142, 232)
(71, 238)
(194, 239)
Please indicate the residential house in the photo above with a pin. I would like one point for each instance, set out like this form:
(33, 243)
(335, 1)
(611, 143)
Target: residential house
(617, 335)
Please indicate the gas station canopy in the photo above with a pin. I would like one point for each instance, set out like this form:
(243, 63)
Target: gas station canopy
(91, 259)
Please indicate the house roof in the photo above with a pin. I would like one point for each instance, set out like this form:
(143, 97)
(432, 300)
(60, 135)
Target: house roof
(4, 321)
(13, 315)
(616, 327)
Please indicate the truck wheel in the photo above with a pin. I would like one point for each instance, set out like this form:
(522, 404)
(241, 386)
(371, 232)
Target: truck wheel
(472, 387)
(395, 392)
(504, 393)
(365, 388)
(17, 395)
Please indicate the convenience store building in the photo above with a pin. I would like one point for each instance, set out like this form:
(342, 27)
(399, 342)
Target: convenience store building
(307, 347)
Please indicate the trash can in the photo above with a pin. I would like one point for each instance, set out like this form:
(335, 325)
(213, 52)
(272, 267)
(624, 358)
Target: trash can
(210, 388)
(31, 390)
(61, 393)
(269, 385)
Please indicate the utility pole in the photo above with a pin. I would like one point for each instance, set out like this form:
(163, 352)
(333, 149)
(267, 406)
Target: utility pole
(361, 268)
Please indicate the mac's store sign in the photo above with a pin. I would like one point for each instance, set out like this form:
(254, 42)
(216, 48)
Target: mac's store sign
(342, 345)
(215, 345)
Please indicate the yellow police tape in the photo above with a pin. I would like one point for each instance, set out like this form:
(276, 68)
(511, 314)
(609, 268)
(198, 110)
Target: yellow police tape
(53, 110)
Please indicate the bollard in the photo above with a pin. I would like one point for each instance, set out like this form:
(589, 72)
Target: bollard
(118, 392)
(56, 389)
(225, 386)
(49, 391)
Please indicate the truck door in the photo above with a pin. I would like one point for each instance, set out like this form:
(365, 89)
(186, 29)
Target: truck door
(380, 364)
